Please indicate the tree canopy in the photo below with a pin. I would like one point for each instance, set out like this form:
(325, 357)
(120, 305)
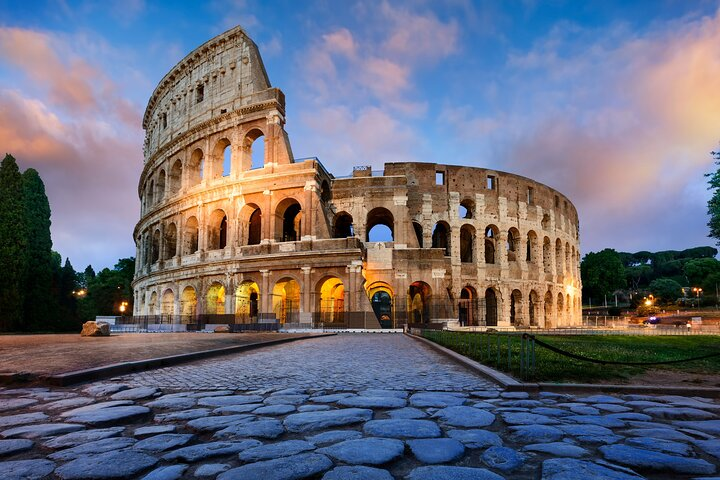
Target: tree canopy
(714, 202)
(602, 274)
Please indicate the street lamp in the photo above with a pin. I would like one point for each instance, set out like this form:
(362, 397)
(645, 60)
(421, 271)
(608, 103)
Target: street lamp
(649, 300)
(697, 291)
(123, 307)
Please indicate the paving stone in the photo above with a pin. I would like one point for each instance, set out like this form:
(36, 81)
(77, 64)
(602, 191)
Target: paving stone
(313, 408)
(465, 417)
(229, 400)
(603, 421)
(357, 472)
(67, 403)
(92, 448)
(172, 403)
(332, 398)
(442, 472)
(276, 450)
(41, 430)
(171, 472)
(83, 436)
(379, 392)
(502, 458)
(486, 394)
(572, 469)
(103, 389)
(710, 446)
(706, 404)
(659, 445)
(143, 432)
(436, 399)
(119, 464)
(523, 403)
(402, 428)
(436, 450)
(333, 436)
(661, 433)
(211, 393)
(26, 469)
(97, 406)
(680, 413)
(183, 415)
(407, 412)
(644, 404)
(515, 395)
(367, 451)
(15, 403)
(654, 461)
(594, 434)
(294, 467)
(211, 469)
(475, 438)
(486, 405)
(202, 451)
(279, 409)
(535, 433)
(373, 402)
(265, 428)
(13, 446)
(232, 409)
(111, 415)
(612, 407)
(22, 419)
(707, 426)
(585, 410)
(211, 424)
(558, 449)
(628, 416)
(163, 442)
(600, 399)
(295, 399)
(550, 411)
(522, 418)
(135, 393)
(309, 421)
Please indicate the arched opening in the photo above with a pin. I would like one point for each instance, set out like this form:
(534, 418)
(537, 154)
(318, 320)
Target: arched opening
(491, 233)
(343, 225)
(513, 240)
(330, 295)
(196, 166)
(190, 236)
(215, 299)
(466, 209)
(381, 301)
(188, 302)
(549, 316)
(175, 178)
(161, 186)
(255, 227)
(325, 192)
(247, 298)
(254, 150)
(558, 257)
(467, 244)
(419, 299)
(167, 306)
(532, 308)
(151, 194)
(221, 159)
(560, 309)
(170, 241)
(152, 304)
(227, 161)
(516, 317)
(568, 263)
(491, 308)
(441, 237)
(547, 266)
(418, 233)
(467, 307)
(380, 225)
(217, 230)
(290, 212)
(155, 247)
(286, 300)
(545, 223)
(531, 246)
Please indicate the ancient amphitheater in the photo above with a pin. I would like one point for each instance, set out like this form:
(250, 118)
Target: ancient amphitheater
(236, 228)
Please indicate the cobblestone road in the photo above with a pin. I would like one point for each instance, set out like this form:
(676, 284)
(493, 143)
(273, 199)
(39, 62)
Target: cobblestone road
(347, 407)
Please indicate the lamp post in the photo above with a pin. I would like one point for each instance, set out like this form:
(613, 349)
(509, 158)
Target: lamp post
(123, 307)
(697, 291)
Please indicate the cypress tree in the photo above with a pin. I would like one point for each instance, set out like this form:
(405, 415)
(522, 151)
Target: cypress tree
(38, 279)
(13, 244)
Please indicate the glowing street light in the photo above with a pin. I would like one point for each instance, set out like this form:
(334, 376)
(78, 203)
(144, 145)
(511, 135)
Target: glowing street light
(123, 307)
(697, 291)
(649, 300)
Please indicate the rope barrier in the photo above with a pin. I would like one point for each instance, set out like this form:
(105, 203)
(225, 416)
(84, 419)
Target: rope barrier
(612, 362)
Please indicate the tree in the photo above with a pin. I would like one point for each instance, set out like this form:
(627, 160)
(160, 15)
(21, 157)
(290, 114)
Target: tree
(13, 245)
(108, 289)
(666, 290)
(698, 270)
(714, 202)
(38, 308)
(602, 273)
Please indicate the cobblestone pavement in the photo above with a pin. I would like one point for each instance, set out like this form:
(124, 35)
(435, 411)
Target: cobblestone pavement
(347, 407)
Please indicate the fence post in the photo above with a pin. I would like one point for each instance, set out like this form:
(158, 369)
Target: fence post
(497, 345)
(509, 354)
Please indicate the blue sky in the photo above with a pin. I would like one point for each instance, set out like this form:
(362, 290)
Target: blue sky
(616, 104)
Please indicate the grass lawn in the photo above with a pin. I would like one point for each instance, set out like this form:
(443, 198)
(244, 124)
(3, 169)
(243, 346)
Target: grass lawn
(502, 351)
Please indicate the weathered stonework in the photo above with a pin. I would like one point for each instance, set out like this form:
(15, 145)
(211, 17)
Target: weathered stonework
(278, 238)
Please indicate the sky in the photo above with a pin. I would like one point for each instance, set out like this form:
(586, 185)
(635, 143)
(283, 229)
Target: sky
(616, 104)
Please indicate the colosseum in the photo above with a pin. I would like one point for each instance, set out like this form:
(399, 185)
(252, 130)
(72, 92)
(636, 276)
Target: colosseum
(237, 230)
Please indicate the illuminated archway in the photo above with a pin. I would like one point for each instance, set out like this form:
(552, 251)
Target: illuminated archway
(215, 299)
(419, 300)
(167, 305)
(330, 295)
(188, 302)
(247, 301)
(286, 300)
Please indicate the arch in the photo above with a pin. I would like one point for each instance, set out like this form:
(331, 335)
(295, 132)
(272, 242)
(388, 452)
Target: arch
(151, 194)
(253, 150)
(221, 158)
(160, 186)
(558, 257)
(170, 241)
(467, 243)
(255, 227)
(330, 300)
(190, 236)
(247, 301)
(380, 216)
(418, 233)
(155, 255)
(516, 313)
(419, 302)
(217, 230)
(215, 299)
(545, 223)
(468, 306)
(549, 310)
(195, 167)
(547, 265)
(568, 262)
(466, 210)
(175, 177)
(325, 192)
(381, 300)
(343, 225)
(491, 308)
(286, 300)
(491, 233)
(188, 302)
(560, 309)
(568, 309)
(513, 244)
(441, 237)
(153, 304)
(288, 221)
(531, 246)
(533, 300)
(167, 304)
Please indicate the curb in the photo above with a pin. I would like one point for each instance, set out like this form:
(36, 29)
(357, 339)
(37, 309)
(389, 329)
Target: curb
(97, 373)
(512, 385)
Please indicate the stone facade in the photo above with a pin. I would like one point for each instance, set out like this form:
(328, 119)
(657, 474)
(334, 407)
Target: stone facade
(233, 224)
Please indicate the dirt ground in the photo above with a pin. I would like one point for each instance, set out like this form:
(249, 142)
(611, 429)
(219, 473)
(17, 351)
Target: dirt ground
(672, 378)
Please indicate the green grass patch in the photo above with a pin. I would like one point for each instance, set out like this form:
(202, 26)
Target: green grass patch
(503, 352)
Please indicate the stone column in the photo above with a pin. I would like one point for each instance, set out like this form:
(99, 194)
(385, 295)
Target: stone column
(268, 218)
(266, 312)
(309, 210)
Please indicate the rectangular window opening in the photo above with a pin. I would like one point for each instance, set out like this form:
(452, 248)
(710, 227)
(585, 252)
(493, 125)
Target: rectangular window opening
(439, 178)
(530, 196)
(199, 94)
(163, 120)
(491, 182)
(557, 201)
